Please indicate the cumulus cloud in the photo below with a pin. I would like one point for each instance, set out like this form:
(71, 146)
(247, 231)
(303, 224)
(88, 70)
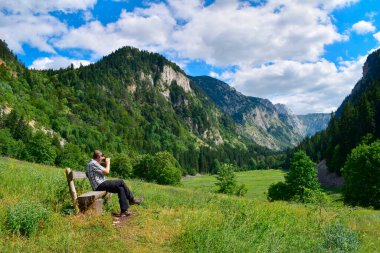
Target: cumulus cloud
(274, 48)
(144, 28)
(305, 87)
(33, 30)
(363, 27)
(57, 62)
(377, 36)
(228, 33)
(38, 7)
(30, 22)
(224, 33)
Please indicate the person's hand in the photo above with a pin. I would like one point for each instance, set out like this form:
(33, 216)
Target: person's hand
(108, 160)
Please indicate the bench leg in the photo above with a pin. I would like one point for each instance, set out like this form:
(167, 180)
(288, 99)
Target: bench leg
(95, 207)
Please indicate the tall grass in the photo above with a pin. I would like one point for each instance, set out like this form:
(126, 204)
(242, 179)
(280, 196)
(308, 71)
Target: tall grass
(177, 220)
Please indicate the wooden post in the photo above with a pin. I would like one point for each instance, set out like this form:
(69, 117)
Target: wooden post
(73, 192)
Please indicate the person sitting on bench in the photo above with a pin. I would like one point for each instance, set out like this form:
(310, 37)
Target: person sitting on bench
(95, 173)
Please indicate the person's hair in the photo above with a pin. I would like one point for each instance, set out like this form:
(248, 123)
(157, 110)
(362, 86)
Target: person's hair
(97, 154)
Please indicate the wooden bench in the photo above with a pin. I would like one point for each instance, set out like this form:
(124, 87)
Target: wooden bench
(88, 202)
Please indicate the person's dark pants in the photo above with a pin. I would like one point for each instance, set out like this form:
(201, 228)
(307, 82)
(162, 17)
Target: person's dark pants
(118, 186)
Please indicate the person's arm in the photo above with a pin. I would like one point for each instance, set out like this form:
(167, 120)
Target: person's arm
(108, 166)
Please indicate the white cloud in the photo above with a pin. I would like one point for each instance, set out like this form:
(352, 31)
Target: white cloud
(29, 22)
(228, 33)
(57, 62)
(371, 15)
(144, 28)
(276, 47)
(304, 87)
(363, 27)
(377, 36)
(38, 6)
(185, 10)
(33, 30)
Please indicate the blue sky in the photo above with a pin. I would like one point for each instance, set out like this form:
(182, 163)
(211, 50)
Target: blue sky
(305, 54)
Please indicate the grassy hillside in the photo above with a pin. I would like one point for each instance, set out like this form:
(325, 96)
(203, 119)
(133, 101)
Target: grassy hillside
(177, 220)
(257, 182)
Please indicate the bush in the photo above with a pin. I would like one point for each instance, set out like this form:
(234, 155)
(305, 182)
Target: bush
(122, 166)
(300, 182)
(338, 238)
(361, 174)
(161, 168)
(241, 190)
(315, 196)
(279, 191)
(227, 181)
(26, 217)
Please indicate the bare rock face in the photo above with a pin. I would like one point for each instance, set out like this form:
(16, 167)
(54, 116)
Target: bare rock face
(214, 136)
(291, 119)
(327, 178)
(132, 88)
(5, 111)
(147, 78)
(169, 74)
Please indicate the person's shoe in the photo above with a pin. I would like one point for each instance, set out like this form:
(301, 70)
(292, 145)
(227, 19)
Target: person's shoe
(126, 214)
(136, 201)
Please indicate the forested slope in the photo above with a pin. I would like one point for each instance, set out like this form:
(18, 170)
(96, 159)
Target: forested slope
(130, 102)
(356, 121)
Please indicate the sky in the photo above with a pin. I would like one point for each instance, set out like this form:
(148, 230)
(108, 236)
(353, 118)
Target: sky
(306, 54)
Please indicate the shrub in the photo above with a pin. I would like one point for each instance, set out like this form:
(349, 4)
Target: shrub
(161, 168)
(300, 181)
(361, 174)
(338, 238)
(122, 166)
(279, 191)
(241, 190)
(26, 217)
(226, 179)
(315, 197)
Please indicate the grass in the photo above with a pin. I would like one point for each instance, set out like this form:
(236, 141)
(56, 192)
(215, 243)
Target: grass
(175, 219)
(256, 181)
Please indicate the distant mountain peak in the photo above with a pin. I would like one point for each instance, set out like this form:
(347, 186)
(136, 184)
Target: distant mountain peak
(283, 109)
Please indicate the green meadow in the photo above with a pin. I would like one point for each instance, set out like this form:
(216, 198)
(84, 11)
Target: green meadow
(256, 181)
(178, 219)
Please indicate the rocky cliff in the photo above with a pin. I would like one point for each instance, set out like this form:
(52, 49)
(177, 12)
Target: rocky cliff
(257, 118)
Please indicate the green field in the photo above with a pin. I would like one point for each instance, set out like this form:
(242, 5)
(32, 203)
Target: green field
(174, 219)
(256, 181)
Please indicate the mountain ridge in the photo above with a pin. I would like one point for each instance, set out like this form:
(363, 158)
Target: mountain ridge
(130, 101)
(274, 126)
(357, 120)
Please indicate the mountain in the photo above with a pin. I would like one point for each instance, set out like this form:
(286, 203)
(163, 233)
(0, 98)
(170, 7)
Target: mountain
(371, 72)
(356, 121)
(131, 102)
(273, 126)
(314, 122)
(292, 120)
